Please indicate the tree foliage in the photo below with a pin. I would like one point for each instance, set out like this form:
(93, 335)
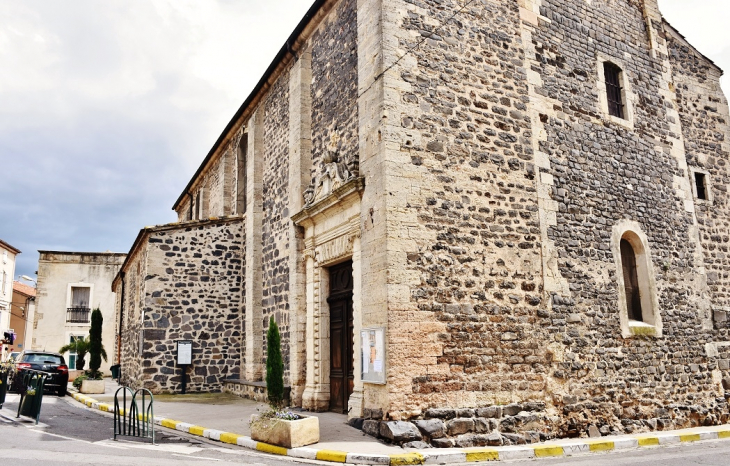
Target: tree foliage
(95, 347)
(80, 346)
(274, 366)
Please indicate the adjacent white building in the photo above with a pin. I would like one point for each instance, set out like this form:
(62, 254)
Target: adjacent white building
(7, 271)
(70, 286)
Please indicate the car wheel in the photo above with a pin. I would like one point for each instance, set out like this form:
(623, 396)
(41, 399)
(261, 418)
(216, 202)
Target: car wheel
(61, 391)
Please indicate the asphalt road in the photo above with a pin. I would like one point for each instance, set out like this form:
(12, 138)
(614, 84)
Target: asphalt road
(71, 434)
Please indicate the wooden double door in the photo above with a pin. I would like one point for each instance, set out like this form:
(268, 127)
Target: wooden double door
(342, 337)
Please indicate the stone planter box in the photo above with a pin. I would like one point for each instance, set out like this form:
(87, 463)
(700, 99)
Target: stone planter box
(92, 387)
(288, 434)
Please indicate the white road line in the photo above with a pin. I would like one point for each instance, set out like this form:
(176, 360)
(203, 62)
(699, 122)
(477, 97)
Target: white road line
(196, 457)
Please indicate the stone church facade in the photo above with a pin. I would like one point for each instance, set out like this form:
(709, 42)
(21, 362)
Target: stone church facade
(526, 199)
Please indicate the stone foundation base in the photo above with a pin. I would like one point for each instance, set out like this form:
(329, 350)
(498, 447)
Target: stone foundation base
(251, 390)
(526, 423)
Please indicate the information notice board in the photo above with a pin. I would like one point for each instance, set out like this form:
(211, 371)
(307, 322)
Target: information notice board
(184, 352)
(373, 355)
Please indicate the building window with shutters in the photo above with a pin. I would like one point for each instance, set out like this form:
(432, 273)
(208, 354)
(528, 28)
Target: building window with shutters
(614, 92)
(637, 294)
(78, 307)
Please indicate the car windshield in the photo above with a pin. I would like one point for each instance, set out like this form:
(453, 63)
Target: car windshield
(43, 358)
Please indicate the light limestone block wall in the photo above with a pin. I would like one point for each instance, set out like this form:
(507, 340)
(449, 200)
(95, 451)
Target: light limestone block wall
(57, 272)
(300, 145)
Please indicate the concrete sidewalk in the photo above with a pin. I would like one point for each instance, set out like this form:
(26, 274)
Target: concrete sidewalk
(224, 417)
(230, 413)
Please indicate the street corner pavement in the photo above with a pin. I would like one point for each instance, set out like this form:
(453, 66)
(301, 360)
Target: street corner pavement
(559, 448)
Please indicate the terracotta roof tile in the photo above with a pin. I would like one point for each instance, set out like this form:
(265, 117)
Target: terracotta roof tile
(24, 289)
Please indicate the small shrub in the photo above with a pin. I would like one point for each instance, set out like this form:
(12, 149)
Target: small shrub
(77, 381)
(274, 382)
(96, 349)
(274, 367)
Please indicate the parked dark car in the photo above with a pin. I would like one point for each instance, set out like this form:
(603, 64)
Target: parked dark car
(51, 363)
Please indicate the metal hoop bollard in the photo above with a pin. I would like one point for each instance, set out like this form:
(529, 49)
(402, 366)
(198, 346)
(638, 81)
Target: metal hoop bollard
(132, 421)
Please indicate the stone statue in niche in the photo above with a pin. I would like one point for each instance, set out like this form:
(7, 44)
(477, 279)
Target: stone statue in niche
(333, 174)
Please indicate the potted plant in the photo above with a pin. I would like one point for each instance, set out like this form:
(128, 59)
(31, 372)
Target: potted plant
(280, 426)
(94, 381)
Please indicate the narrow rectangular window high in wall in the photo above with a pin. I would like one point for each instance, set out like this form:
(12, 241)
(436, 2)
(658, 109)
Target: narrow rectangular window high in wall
(614, 90)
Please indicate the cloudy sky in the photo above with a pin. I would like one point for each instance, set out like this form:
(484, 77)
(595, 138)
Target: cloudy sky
(108, 107)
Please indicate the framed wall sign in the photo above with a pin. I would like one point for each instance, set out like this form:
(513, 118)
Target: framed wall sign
(184, 352)
(373, 355)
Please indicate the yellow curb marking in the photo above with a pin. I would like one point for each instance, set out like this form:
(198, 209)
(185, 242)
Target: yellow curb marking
(723, 434)
(548, 451)
(482, 455)
(106, 408)
(408, 458)
(332, 455)
(228, 437)
(197, 430)
(601, 446)
(648, 441)
(689, 438)
(169, 423)
(266, 448)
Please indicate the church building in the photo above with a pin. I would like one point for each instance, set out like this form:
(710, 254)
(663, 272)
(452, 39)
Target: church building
(478, 216)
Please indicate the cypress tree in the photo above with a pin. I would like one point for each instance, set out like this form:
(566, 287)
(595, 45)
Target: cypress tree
(274, 366)
(95, 346)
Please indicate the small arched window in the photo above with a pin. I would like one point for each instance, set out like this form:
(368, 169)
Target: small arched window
(638, 301)
(631, 281)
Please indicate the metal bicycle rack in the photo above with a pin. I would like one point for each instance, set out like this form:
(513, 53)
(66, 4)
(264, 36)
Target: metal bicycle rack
(129, 419)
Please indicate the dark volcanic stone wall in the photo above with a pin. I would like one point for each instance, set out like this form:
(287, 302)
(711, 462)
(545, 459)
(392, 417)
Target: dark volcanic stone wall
(130, 355)
(334, 88)
(192, 290)
(275, 233)
(505, 135)
(703, 113)
(604, 173)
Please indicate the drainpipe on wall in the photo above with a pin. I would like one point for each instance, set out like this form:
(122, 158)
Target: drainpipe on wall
(121, 321)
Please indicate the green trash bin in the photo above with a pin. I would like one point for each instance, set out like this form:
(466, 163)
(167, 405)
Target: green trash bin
(31, 396)
(3, 387)
(116, 371)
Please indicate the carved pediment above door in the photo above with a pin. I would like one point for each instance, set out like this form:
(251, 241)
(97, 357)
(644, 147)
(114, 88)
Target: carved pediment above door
(332, 174)
(342, 195)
